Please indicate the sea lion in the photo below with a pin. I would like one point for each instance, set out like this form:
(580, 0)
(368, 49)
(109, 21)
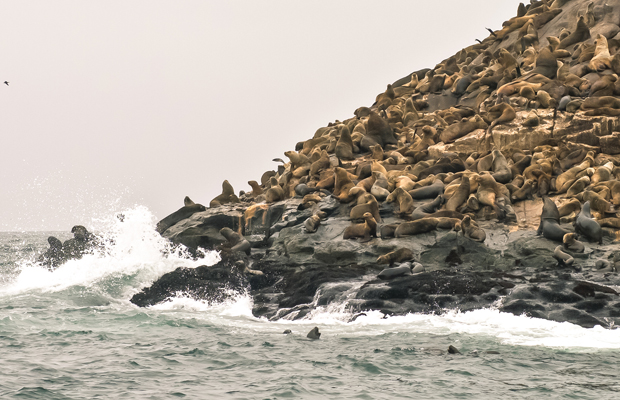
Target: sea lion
(314, 334)
(426, 210)
(524, 192)
(379, 188)
(344, 146)
(564, 180)
(550, 222)
(302, 189)
(312, 224)
(297, 159)
(177, 216)
(571, 243)
(501, 171)
(322, 163)
(378, 131)
(424, 225)
(587, 226)
(578, 186)
(275, 192)
(603, 173)
(404, 200)
(228, 196)
(53, 256)
(257, 190)
(597, 202)
(342, 184)
(580, 34)
(501, 113)
(387, 231)
(397, 256)
(364, 231)
(394, 272)
(602, 58)
(574, 205)
(471, 229)
(562, 257)
(234, 241)
(460, 129)
(488, 193)
(428, 192)
(460, 195)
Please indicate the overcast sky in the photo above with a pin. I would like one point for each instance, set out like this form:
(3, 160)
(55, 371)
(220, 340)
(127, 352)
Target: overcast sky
(112, 104)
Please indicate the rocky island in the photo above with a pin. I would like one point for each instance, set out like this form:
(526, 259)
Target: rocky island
(489, 180)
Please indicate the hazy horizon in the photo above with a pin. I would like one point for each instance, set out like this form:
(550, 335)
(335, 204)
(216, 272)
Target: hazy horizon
(117, 104)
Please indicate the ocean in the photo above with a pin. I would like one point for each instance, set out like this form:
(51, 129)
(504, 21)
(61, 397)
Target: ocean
(73, 334)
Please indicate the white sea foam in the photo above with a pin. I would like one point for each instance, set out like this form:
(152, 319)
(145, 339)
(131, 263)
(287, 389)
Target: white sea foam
(132, 248)
(335, 320)
(238, 305)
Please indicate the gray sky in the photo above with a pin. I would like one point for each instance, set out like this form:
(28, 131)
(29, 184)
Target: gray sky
(117, 103)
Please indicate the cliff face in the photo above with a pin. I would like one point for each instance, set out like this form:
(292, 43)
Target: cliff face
(447, 169)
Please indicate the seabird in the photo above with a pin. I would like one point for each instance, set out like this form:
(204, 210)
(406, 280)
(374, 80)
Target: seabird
(6, 83)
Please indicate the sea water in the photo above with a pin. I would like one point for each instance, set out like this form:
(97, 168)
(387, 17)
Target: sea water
(73, 334)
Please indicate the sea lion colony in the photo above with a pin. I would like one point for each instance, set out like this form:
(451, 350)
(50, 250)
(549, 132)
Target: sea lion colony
(442, 182)
(528, 112)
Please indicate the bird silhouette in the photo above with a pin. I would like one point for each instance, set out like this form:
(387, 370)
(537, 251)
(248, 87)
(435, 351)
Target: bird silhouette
(6, 83)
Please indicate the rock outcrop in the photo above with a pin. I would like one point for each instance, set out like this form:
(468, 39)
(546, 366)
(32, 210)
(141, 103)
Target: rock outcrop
(474, 144)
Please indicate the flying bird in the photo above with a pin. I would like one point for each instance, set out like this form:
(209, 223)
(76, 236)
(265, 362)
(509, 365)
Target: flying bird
(6, 83)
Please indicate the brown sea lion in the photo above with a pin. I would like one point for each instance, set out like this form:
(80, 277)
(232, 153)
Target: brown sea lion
(322, 163)
(428, 209)
(460, 129)
(371, 206)
(424, 225)
(404, 200)
(234, 241)
(428, 192)
(364, 231)
(460, 196)
(524, 192)
(344, 146)
(256, 189)
(275, 192)
(501, 171)
(228, 196)
(501, 113)
(312, 223)
(571, 243)
(471, 229)
(563, 258)
(387, 231)
(342, 185)
(570, 207)
(487, 193)
(397, 256)
(580, 34)
(602, 58)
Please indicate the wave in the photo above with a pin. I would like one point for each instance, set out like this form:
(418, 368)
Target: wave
(133, 256)
(335, 320)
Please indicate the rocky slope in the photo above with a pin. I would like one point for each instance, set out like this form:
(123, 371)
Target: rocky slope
(441, 181)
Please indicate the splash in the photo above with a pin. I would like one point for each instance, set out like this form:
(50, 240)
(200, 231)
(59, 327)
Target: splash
(237, 305)
(133, 253)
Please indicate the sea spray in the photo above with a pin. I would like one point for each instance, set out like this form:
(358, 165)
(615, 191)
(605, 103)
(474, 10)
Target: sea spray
(132, 254)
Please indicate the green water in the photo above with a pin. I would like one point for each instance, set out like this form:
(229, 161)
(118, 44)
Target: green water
(72, 334)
